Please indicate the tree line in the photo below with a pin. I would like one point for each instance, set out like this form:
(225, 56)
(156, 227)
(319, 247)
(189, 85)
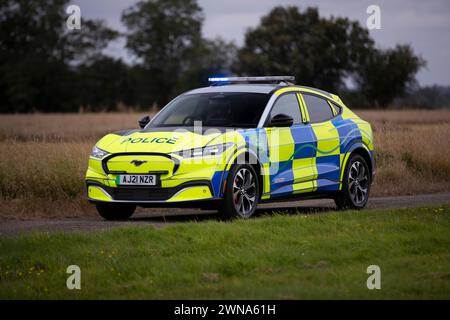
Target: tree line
(46, 67)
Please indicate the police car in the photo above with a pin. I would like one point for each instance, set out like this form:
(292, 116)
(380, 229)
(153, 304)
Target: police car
(232, 145)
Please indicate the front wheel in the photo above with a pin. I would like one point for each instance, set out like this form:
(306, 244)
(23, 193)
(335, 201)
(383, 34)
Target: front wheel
(115, 211)
(241, 193)
(355, 186)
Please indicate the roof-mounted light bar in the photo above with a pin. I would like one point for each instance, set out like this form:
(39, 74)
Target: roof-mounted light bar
(252, 79)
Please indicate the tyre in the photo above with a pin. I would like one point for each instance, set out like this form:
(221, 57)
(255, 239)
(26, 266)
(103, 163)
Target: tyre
(241, 193)
(115, 211)
(355, 186)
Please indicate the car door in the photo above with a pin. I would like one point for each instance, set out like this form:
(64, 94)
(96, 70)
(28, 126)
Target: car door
(326, 162)
(291, 150)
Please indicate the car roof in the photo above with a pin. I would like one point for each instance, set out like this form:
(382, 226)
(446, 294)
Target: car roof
(252, 88)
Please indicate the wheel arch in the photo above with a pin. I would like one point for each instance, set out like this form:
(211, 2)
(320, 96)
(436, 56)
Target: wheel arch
(362, 150)
(366, 156)
(249, 157)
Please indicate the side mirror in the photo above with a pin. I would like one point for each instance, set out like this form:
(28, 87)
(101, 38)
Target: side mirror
(144, 121)
(281, 120)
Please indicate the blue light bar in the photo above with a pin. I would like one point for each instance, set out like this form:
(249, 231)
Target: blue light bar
(218, 79)
(252, 79)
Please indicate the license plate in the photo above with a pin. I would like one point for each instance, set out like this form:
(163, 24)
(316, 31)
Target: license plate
(137, 179)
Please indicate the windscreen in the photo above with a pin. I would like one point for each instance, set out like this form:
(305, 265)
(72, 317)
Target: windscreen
(229, 109)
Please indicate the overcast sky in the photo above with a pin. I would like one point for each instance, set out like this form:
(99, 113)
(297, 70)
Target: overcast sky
(423, 24)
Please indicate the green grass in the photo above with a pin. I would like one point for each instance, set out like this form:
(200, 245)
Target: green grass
(276, 257)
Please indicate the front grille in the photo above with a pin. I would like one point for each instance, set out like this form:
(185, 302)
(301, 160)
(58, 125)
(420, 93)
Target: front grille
(150, 163)
(142, 194)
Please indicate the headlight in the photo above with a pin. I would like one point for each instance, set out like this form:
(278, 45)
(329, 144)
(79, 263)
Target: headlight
(98, 153)
(206, 151)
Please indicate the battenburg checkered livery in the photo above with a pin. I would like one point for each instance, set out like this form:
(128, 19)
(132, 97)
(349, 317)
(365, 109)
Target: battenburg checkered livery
(234, 144)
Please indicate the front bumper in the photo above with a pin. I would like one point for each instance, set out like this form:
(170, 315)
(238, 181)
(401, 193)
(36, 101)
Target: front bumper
(188, 191)
(179, 181)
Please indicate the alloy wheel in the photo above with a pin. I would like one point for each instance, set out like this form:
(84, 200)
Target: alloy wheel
(358, 182)
(244, 192)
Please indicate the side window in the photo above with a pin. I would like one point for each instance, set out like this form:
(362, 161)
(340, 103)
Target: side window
(319, 110)
(336, 109)
(287, 104)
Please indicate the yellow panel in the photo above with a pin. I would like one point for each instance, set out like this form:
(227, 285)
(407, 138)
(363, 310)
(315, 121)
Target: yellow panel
(307, 186)
(366, 133)
(327, 139)
(305, 114)
(94, 175)
(229, 163)
(96, 165)
(315, 173)
(200, 169)
(266, 177)
(348, 114)
(96, 193)
(336, 98)
(281, 144)
(284, 90)
(192, 193)
(343, 161)
(302, 170)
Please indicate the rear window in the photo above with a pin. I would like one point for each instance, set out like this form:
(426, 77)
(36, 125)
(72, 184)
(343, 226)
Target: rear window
(319, 110)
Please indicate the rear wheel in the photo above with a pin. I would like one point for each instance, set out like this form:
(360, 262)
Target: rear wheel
(356, 184)
(241, 194)
(115, 211)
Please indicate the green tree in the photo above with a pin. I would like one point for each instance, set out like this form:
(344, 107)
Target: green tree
(86, 45)
(38, 54)
(317, 51)
(428, 97)
(164, 35)
(386, 74)
(324, 53)
(103, 83)
(211, 57)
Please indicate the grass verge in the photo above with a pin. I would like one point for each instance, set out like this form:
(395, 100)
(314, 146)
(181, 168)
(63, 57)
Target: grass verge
(278, 257)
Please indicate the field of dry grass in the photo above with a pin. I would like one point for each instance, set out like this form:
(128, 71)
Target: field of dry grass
(43, 158)
(412, 151)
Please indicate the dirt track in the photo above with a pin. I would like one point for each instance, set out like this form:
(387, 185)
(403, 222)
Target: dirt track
(160, 219)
